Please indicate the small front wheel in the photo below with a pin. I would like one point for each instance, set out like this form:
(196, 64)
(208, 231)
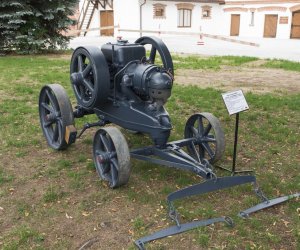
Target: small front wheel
(209, 139)
(111, 156)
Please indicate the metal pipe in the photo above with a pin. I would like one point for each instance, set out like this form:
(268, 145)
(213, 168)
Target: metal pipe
(141, 21)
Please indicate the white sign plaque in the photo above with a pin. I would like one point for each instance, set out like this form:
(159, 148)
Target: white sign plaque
(235, 102)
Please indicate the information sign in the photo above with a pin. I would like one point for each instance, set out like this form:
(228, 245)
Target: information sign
(235, 102)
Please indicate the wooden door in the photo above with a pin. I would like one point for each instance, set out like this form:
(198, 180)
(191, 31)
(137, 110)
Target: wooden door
(235, 25)
(107, 19)
(270, 28)
(295, 30)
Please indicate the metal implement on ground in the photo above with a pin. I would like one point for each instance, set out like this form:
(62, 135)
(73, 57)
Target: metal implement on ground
(121, 85)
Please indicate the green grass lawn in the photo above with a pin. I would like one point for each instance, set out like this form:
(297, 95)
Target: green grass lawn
(55, 200)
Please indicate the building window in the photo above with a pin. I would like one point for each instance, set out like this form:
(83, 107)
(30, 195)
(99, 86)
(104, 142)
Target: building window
(184, 14)
(184, 18)
(206, 12)
(159, 10)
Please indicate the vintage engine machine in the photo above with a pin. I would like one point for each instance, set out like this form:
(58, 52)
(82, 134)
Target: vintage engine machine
(120, 84)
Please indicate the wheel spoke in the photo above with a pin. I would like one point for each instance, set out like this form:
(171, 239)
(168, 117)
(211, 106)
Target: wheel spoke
(207, 129)
(115, 163)
(196, 152)
(80, 92)
(105, 168)
(208, 150)
(87, 70)
(194, 131)
(80, 63)
(105, 142)
(209, 139)
(98, 151)
(114, 174)
(55, 133)
(200, 125)
(152, 54)
(201, 152)
(47, 107)
(52, 100)
(48, 123)
(88, 85)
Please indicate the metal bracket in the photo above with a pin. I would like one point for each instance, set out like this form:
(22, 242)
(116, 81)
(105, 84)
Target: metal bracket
(207, 187)
(140, 243)
(173, 156)
(211, 185)
(90, 125)
(201, 188)
(266, 204)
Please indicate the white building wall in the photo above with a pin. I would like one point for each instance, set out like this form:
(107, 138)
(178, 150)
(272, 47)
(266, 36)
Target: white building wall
(257, 30)
(127, 15)
(219, 24)
(220, 21)
(215, 25)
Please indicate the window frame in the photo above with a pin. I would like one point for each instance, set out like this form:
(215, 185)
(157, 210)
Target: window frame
(159, 7)
(179, 19)
(206, 9)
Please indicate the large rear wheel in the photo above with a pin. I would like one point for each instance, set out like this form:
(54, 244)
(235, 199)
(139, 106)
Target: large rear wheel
(89, 76)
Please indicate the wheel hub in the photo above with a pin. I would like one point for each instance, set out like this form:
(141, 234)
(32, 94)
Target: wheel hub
(77, 78)
(105, 157)
(199, 139)
(51, 117)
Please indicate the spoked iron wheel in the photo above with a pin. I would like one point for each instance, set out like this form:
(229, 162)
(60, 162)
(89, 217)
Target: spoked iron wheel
(209, 139)
(89, 76)
(157, 45)
(111, 156)
(56, 114)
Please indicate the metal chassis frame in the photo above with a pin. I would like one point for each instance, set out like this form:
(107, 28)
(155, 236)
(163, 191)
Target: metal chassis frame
(172, 155)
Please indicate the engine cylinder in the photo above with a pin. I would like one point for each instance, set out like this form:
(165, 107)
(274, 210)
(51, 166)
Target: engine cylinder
(149, 80)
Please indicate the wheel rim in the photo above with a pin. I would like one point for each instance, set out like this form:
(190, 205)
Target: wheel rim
(209, 140)
(112, 164)
(157, 45)
(89, 76)
(55, 114)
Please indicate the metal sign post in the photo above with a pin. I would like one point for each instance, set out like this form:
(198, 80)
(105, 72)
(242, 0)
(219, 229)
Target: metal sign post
(235, 103)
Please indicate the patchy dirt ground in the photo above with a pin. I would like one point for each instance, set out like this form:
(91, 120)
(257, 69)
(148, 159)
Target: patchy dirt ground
(55, 200)
(249, 79)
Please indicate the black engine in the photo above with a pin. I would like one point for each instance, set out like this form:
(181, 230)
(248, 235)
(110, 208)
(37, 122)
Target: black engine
(128, 64)
(122, 85)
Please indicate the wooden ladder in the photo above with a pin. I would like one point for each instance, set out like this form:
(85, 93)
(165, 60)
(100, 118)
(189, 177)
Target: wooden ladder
(86, 15)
